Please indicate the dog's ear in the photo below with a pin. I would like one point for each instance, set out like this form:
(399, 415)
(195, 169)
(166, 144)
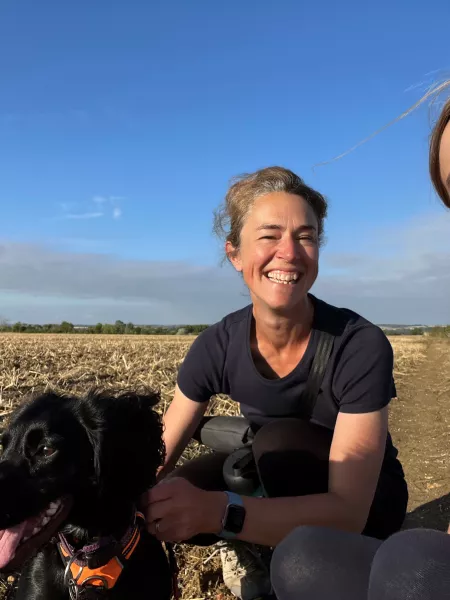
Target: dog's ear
(126, 434)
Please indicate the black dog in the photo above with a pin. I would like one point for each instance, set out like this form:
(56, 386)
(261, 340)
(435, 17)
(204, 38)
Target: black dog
(71, 472)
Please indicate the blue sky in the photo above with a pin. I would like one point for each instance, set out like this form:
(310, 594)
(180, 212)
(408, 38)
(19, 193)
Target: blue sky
(121, 124)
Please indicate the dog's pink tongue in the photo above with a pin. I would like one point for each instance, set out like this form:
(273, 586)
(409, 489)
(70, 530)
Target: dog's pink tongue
(9, 540)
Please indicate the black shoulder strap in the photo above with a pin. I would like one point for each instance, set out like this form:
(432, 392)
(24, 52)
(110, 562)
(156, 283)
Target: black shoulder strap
(315, 378)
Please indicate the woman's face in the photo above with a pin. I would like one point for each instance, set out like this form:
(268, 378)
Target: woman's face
(279, 250)
(444, 158)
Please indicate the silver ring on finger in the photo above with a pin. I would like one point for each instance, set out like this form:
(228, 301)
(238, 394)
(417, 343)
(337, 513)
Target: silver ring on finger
(157, 527)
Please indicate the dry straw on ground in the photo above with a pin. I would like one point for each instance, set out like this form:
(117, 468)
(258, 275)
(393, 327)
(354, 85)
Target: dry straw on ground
(34, 363)
(76, 363)
(409, 351)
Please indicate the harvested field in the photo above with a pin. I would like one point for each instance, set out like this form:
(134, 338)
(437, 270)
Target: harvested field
(420, 418)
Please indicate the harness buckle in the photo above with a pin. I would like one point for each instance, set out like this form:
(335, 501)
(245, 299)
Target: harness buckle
(70, 581)
(86, 591)
(73, 589)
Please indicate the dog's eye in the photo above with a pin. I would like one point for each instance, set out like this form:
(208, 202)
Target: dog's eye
(46, 451)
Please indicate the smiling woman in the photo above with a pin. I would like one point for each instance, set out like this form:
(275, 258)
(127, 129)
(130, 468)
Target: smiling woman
(313, 382)
(276, 224)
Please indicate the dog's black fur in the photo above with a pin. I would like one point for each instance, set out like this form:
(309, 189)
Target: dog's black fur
(107, 449)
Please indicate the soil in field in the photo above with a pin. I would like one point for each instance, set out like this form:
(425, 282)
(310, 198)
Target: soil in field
(420, 426)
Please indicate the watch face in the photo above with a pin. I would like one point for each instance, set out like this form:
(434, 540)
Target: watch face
(235, 518)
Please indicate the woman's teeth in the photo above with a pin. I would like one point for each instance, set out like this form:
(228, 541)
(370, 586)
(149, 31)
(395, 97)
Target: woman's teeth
(282, 277)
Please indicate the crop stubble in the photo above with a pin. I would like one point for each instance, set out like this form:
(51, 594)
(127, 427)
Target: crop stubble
(76, 363)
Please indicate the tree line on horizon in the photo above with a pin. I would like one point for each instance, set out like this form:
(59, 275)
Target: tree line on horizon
(117, 328)
(436, 331)
(121, 328)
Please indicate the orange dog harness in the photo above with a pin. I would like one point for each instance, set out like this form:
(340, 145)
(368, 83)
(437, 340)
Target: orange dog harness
(81, 572)
(98, 567)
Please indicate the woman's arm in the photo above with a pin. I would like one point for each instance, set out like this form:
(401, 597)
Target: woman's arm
(356, 456)
(180, 422)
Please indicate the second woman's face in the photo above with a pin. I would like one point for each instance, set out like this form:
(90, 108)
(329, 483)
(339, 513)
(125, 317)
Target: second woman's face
(444, 158)
(279, 250)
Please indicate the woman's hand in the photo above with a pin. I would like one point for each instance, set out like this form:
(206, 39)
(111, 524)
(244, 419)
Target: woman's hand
(176, 510)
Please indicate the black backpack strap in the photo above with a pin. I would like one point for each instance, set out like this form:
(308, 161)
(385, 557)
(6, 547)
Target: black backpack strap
(316, 375)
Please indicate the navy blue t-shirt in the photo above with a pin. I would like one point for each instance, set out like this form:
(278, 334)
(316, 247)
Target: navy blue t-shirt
(358, 377)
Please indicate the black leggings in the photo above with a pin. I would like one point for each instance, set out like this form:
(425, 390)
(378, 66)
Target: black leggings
(292, 458)
(315, 563)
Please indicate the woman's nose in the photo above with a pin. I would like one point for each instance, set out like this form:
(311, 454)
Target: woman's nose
(288, 249)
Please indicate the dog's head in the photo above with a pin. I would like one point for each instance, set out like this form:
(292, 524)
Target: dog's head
(83, 461)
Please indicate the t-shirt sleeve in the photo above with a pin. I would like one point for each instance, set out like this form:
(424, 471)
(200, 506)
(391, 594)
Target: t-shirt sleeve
(201, 373)
(363, 378)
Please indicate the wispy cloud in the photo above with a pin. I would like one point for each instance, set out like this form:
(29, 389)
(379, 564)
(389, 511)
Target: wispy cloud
(97, 207)
(108, 204)
(81, 216)
(99, 200)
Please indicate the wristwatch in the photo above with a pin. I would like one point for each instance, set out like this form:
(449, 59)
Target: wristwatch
(234, 517)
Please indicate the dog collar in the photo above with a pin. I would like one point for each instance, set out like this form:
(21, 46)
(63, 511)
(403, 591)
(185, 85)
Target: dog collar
(98, 566)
